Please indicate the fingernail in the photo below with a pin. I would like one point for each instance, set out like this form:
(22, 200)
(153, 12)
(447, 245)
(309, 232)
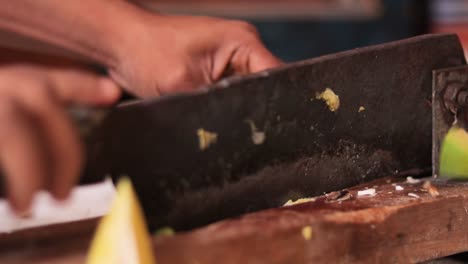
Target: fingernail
(108, 89)
(61, 195)
(21, 211)
(24, 213)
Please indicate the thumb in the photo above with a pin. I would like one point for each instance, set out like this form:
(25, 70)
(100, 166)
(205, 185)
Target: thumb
(249, 59)
(261, 59)
(86, 87)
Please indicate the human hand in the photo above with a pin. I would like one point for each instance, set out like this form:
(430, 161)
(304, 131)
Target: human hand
(167, 54)
(39, 146)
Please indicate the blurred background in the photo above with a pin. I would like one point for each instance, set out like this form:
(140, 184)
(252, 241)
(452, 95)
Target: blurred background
(300, 29)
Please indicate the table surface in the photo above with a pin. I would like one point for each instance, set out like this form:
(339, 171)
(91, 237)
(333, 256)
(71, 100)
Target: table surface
(395, 220)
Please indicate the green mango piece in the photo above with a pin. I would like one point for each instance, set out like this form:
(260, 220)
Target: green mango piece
(454, 154)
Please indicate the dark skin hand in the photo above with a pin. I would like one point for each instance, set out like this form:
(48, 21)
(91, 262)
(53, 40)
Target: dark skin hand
(196, 51)
(39, 146)
(149, 54)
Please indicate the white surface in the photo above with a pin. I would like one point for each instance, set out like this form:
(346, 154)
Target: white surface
(412, 180)
(84, 202)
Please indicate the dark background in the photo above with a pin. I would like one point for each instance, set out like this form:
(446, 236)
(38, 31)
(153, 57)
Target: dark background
(297, 40)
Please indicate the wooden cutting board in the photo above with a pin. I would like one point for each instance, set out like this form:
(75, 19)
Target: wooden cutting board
(402, 222)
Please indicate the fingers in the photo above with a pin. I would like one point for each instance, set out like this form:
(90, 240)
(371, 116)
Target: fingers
(65, 152)
(83, 87)
(21, 155)
(39, 146)
(250, 57)
(261, 59)
(73, 80)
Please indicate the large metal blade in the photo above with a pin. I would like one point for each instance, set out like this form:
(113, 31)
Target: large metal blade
(307, 149)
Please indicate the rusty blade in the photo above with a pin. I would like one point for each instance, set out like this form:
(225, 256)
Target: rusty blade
(306, 150)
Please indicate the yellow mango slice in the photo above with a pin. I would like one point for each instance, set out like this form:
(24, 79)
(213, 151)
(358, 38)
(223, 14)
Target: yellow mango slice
(454, 154)
(122, 236)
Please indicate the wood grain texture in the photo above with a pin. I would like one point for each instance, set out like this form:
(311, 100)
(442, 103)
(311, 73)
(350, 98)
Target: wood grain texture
(390, 227)
(59, 243)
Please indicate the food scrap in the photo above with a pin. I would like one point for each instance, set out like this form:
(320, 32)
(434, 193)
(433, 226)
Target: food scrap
(368, 192)
(398, 188)
(258, 137)
(412, 180)
(413, 195)
(361, 108)
(164, 231)
(307, 232)
(431, 189)
(299, 201)
(330, 98)
(206, 138)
